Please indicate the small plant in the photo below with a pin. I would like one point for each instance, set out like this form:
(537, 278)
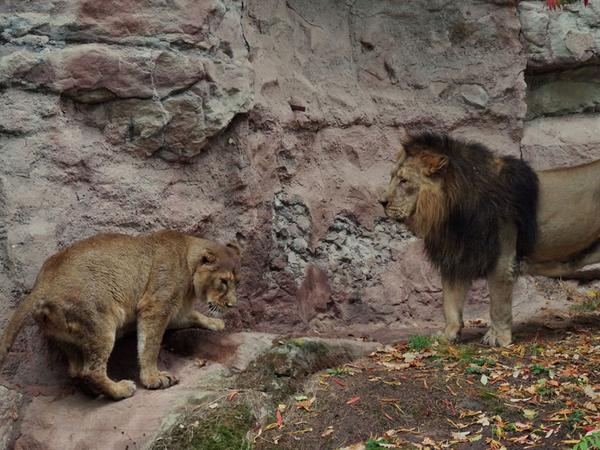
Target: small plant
(466, 354)
(586, 306)
(473, 370)
(537, 369)
(418, 343)
(537, 349)
(374, 444)
(574, 419)
(484, 362)
(591, 441)
(338, 372)
(544, 392)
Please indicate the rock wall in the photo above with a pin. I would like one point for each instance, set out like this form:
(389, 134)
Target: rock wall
(562, 75)
(272, 121)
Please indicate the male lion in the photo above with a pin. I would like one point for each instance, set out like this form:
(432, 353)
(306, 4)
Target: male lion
(91, 292)
(487, 216)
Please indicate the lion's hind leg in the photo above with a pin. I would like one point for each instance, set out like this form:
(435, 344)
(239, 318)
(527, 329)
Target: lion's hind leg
(96, 350)
(74, 358)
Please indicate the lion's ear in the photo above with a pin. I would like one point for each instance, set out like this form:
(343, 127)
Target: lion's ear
(207, 258)
(433, 163)
(234, 245)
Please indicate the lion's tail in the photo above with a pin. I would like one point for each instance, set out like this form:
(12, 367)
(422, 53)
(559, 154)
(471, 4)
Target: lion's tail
(15, 324)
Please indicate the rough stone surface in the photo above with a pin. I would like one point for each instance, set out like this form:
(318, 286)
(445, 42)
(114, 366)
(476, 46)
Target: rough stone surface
(563, 97)
(558, 39)
(68, 420)
(10, 402)
(562, 141)
(564, 92)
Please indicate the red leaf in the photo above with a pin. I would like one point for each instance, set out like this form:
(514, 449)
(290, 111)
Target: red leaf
(338, 382)
(352, 400)
(279, 418)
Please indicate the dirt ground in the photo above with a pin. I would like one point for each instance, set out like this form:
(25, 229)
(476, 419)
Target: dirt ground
(541, 392)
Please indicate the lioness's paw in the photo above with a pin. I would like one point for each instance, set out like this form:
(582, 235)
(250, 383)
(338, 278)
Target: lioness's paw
(443, 337)
(496, 338)
(124, 389)
(159, 380)
(215, 324)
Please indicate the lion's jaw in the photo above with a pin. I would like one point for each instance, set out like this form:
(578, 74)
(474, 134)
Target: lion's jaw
(217, 289)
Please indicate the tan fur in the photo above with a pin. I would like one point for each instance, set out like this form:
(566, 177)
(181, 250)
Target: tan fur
(91, 292)
(568, 218)
(415, 196)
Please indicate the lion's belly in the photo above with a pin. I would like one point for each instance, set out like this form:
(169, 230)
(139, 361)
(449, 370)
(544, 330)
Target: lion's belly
(568, 213)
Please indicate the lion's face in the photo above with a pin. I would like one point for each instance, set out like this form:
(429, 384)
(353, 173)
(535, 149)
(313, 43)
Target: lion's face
(400, 198)
(217, 277)
(415, 189)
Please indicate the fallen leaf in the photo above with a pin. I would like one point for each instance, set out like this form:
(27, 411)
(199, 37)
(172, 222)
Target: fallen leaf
(232, 395)
(338, 382)
(590, 406)
(279, 418)
(589, 391)
(352, 400)
(529, 413)
(519, 426)
(306, 404)
(328, 431)
(271, 426)
(460, 436)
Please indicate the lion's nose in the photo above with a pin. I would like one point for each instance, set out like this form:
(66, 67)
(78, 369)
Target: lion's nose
(383, 202)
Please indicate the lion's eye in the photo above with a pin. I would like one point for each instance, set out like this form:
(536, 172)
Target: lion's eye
(223, 284)
(403, 181)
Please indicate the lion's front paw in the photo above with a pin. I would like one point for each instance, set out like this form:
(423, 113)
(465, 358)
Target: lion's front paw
(497, 338)
(124, 389)
(159, 380)
(215, 324)
(449, 334)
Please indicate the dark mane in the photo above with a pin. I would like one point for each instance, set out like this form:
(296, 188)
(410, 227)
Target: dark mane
(483, 191)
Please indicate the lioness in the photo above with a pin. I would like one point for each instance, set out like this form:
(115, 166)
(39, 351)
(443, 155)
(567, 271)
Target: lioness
(89, 293)
(486, 216)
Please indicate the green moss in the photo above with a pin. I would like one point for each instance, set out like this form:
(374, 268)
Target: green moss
(222, 430)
